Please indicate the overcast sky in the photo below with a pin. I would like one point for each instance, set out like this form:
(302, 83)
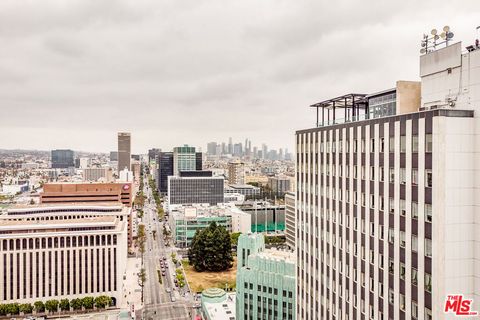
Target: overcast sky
(73, 73)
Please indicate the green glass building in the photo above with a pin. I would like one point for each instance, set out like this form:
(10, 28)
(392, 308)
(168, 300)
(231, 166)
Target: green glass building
(265, 281)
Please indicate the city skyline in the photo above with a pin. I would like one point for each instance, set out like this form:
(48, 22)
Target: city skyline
(92, 69)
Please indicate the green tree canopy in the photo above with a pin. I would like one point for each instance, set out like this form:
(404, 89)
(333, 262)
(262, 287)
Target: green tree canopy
(103, 301)
(52, 305)
(88, 302)
(234, 236)
(12, 308)
(39, 306)
(211, 249)
(65, 305)
(26, 308)
(76, 304)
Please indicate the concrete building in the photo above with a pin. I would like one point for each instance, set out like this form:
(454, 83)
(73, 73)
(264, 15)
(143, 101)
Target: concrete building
(290, 219)
(55, 259)
(279, 184)
(98, 174)
(191, 190)
(236, 173)
(84, 163)
(245, 189)
(186, 220)
(136, 170)
(386, 224)
(153, 153)
(217, 304)
(62, 159)
(265, 281)
(72, 211)
(14, 188)
(266, 217)
(124, 151)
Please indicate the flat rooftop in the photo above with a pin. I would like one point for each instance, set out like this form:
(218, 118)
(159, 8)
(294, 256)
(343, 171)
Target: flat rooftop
(10, 224)
(224, 310)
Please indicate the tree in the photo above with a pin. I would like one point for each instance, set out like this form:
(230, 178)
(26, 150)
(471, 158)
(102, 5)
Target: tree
(65, 305)
(103, 301)
(13, 308)
(88, 302)
(234, 237)
(3, 309)
(211, 249)
(39, 306)
(26, 308)
(76, 304)
(51, 305)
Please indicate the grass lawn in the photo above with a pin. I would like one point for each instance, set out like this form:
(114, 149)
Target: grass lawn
(198, 281)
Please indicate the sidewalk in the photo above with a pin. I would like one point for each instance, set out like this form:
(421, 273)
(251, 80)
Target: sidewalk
(132, 292)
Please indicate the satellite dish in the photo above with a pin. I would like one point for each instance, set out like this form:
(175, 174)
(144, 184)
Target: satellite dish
(433, 32)
(436, 37)
(446, 29)
(449, 35)
(424, 44)
(443, 35)
(423, 50)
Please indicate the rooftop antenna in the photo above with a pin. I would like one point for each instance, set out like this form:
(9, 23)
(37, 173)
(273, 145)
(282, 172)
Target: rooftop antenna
(429, 42)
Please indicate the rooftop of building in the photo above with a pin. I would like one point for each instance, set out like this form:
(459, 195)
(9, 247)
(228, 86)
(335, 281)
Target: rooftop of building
(242, 186)
(218, 304)
(12, 225)
(202, 210)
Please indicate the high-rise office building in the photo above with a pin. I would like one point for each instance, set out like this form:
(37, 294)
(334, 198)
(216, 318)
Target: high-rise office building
(265, 281)
(212, 148)
(264, 151)
(124, 152)
(237, 150)
(230, 145)
(236, 172)
(279, 184)
(63, 158)
(386, 200)
(153, 153)
(113, 155)
(184, 159)
(191, 190)
(198, 161)
(165, 169)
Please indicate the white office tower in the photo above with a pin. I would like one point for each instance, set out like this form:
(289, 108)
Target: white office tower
(126, 175)
(388, 197)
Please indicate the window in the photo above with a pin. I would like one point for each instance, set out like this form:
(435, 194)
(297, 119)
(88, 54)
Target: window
(414, 243)
(402, 239)
(363, 145)
(391, 266)
(402, 302)
(428, 178)
(403, 176)
(392, 175)
(428, 212)
(372, 145)
(372, 173)
(428, 143)
(402, 271)
(414, 276)
(391, 296)
(380, 261)
(415, 144)
(380, 232)
(428, 248)
(414, 176)
(381, 174)
(372, 201)
(402, 207)
(380, 289)
(428, 314)
(391, 204)
(382, 144)
(391, 144)
(428, 282)
(414, 310)
(363, 172)
(391, 236)
(403, 143)
(414, 210)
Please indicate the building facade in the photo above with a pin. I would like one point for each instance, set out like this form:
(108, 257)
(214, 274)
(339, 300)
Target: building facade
(191, 190)
(279, 184)
(96, 174)
(56, 259)
(63, 159)
(236, 173)
(385, 206)
(124, 151)
(265, 281)
(290, 219)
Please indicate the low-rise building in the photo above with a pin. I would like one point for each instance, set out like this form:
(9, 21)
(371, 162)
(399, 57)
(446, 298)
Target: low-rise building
(186, 220)
(279, 184)
(245, 189)
(68, 258)
(218, 305)
(265, 281)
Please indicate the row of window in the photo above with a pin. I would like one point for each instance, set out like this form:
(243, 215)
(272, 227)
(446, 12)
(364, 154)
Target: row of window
(58, 242)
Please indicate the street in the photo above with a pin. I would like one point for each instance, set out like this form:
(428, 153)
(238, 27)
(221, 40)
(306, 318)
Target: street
(158, 301)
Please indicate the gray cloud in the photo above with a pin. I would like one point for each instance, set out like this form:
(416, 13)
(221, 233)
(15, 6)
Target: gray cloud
(73, 73)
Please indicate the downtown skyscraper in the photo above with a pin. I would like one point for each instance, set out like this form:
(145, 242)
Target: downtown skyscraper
(124, 150)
